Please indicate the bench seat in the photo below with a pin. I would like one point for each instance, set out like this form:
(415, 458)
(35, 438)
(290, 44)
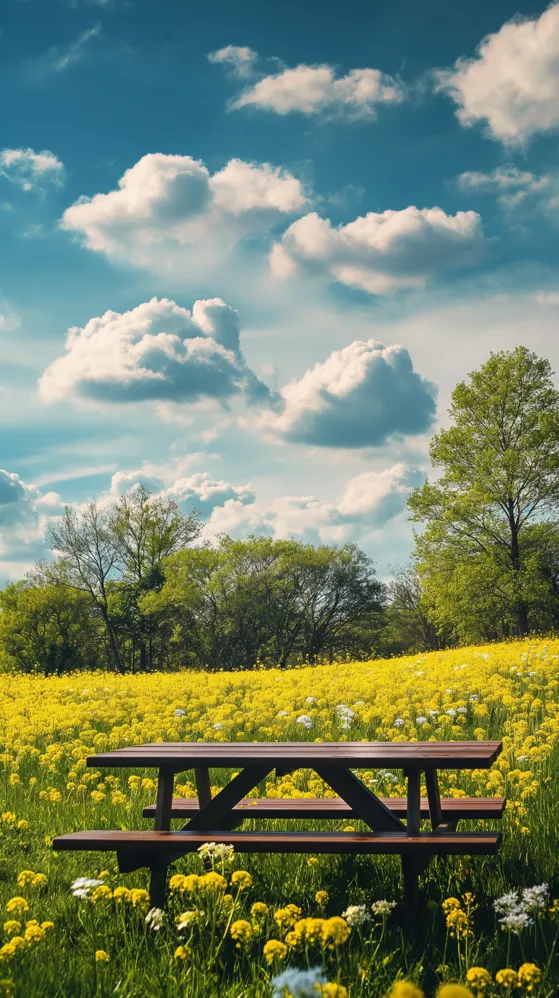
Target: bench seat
(453, 808)
(150, 843)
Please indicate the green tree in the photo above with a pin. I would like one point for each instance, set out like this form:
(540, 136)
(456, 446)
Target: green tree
(500, 475)
(48, 629)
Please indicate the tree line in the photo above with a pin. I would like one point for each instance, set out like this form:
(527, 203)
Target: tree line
(130, 587)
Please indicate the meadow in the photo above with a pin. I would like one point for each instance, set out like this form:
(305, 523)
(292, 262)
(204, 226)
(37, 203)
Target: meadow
(268, 926)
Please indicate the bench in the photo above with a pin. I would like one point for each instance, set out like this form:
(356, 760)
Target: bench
(332, 808)
(213, 819)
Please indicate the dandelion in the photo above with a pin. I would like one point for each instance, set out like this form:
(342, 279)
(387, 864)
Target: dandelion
(321, 898)
(155, 918)
(101, 956)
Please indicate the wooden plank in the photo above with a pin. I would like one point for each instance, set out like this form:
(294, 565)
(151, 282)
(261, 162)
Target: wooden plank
(366, 806)
(164, 798)
(335, 808)
(219, 808)
(180, 843)
(346, 755)
(434, 797)
(414, 801)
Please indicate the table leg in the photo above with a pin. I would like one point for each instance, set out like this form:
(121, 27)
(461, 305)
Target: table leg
(434, 797)
(203, 787)
(163, 806)
(218, 811)
(414, 801)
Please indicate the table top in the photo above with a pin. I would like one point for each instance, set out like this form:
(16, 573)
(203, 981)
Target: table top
(303, 755)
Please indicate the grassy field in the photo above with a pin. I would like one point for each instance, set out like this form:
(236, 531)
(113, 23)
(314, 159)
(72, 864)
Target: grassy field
(274, 925)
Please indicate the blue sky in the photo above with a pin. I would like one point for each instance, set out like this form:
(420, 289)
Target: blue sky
(247, 251)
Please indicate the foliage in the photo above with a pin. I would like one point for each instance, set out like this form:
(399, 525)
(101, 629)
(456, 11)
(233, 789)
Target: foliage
(74, 927)
(500, 475)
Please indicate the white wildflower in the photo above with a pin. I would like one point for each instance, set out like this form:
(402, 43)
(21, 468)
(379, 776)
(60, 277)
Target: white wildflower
(382, 908)
(179, 712)
(399, 722)
(516, 921)
(155, 918)
(535, 898)
(356, 914)
(305, 720)
(298, 983)
(184, 920)
(83, 885)
(421, 720)
(216, 850)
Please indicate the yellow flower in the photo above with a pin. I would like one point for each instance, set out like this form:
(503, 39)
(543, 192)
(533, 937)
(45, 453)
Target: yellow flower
(348, 828)
(321, 898)
(259, 909)
(102, 893)
(335, 931)
(286, 917)
(11, 927)
(274, 949)
(101, 956)
(242, 931)
(478, 977)
(405, 989)
(241, 879)
(34, 934)
(121, 894)
(17, 906)
(23, 825)
(312, 861)
(212, 882)
(528, 975)
(183, 953)
(139, 897)
(450, 904)
(47, 926)
(454, 991)
(39, 880)
(332, 990)
(507, 978)
(25, 877)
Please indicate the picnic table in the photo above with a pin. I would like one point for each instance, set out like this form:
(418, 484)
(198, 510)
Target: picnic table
(218, 818)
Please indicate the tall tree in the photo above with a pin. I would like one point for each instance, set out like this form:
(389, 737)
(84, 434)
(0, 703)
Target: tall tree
(88, 561)
(500, 470)
(145, 530)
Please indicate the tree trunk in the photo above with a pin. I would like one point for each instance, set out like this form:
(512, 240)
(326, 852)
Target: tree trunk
(112, 641)
(521, 608)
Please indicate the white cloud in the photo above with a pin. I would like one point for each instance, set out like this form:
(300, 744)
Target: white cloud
(29, 169)
(9, 320)
(367, 502)
(512, 83)
(24, 514)
(361, 396)
(317, 90)
(381, 252)
(166, 204)
(547, 297)
(158, 351)
(238, 58)
(516, 187)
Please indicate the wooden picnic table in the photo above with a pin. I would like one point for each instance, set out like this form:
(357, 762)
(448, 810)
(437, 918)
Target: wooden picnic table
(215, 819)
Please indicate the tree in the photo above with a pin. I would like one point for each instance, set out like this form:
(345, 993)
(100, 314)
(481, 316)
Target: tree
(500, 464)
(410, 619)
(145, 530)
(47, 629)
(87, 562)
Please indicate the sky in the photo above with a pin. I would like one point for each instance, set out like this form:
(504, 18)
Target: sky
(248, 250)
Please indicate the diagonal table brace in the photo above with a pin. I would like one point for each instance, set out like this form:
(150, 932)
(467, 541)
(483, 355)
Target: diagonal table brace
(219, 808)
(366, 805)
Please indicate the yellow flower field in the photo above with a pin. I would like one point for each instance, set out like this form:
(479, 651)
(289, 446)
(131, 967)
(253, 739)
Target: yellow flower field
(58, 943)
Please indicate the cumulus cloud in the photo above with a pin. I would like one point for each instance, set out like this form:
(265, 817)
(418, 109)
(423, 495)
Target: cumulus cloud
(381, 252)
(24, 514)
(367, 502)
(166, 203)
(158, 351)
(29, 169)
(317, 90)
(514, 187)
(238, 58)
(513, 81)
(361, 396)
